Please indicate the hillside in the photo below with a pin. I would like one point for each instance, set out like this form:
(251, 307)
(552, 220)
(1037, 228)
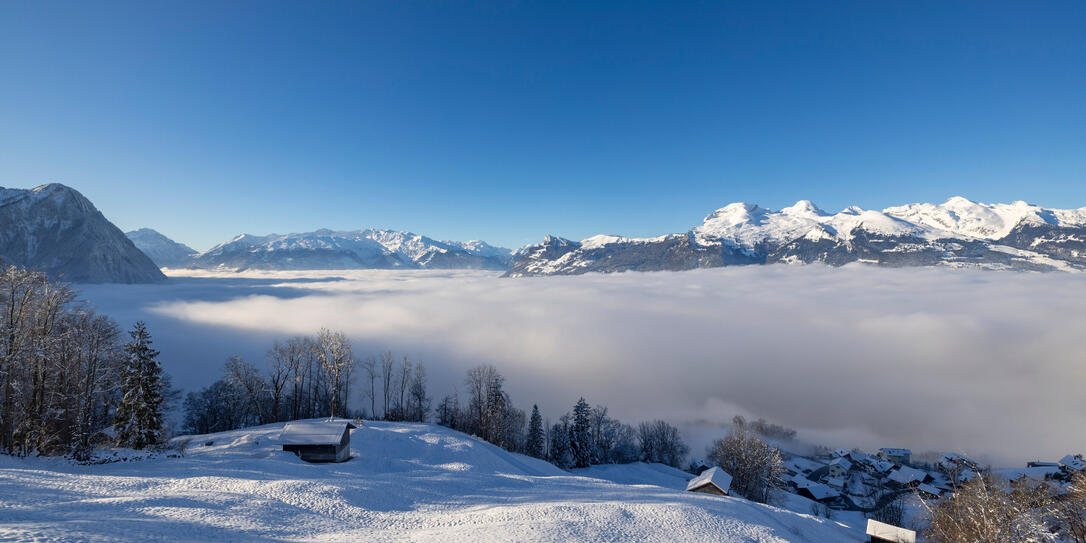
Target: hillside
(406, 482)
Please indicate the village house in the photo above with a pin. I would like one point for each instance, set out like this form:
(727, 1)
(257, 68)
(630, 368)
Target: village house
(908, 477)
(898, 456)
(1073, 462)
(711, 481)
(838, 467)
(698, 466)
(819, 492)
(318, 441)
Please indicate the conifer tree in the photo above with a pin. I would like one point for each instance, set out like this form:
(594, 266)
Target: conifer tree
(138, 420)
(580, 438)
(534, 446)
(560, 453)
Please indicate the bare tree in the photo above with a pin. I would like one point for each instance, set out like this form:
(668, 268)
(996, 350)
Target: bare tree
(1070, 510)
(405, 377)
(388, 366)
(982, 510)
(336, 359)
(246, 377)
(756, 468)
(418, 399)
(282, 360)
(369, 366)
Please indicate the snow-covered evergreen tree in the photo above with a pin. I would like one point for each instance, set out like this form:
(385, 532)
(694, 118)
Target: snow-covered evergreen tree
(580, 438)
(534, 447)
(560, 451)
(138, 420)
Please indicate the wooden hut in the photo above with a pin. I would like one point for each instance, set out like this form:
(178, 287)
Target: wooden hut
(711, 481)
(318, 441)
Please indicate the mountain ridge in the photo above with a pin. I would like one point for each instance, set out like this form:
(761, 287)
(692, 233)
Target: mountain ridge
(957, 233)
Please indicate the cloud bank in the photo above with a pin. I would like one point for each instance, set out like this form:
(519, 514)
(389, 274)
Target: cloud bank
(991, 364)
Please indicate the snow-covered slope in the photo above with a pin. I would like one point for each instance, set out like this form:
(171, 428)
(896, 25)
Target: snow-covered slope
(358, 249)
(406, 482)
(55, 229)
(163, 251)
(955, 233)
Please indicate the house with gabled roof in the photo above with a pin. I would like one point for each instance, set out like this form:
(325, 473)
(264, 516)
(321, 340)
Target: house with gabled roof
(711, 481)
(838, 467)
(899, 456)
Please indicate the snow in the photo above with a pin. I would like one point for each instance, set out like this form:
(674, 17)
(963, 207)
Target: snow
(405, 482)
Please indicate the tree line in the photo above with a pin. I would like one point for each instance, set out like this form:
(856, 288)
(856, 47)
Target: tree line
(67, 381)
(308, 377)
(582, 437)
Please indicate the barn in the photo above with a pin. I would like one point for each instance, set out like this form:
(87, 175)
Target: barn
(318, 441)
(711, 481)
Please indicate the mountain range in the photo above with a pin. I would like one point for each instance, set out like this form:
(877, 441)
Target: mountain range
(55, 229)
(956, 233)
(355, 249)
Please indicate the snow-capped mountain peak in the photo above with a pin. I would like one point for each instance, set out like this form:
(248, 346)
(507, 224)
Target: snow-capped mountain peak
(163, 251)
(803, 208)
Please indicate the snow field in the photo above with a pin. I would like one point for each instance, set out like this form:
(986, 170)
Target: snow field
(405, 482)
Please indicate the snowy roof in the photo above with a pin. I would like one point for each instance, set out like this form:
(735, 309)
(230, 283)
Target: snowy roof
(836, 482)
(839, 452)
(314, 432)
(890, 451)
(799, 463)
(714, 475)
(889, 532)
(1074, 462)
(859, 457)
(882, 466)
(906, 475)
(801, 481)
(929, 489)
(822, 492)
(842, 462)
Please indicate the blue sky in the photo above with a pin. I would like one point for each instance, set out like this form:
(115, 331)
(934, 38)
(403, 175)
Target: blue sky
(509, 120)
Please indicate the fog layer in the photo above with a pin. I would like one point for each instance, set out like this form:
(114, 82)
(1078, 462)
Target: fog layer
(990, 364)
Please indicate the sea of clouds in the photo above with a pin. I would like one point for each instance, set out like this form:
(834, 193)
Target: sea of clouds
(991, 364)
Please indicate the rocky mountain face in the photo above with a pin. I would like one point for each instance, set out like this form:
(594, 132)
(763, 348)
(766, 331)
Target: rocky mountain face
(163, 251)
(360, 249)
(55, 229)
(957, 233)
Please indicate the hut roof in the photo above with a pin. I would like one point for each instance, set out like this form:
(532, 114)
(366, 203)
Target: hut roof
(889, 532)
(314, 432)
(714, 475)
